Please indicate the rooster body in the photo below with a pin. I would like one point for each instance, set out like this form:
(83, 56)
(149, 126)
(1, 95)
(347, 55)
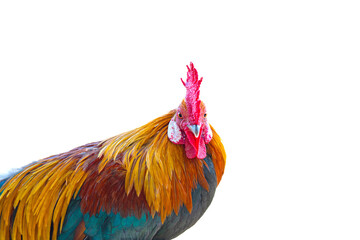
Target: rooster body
(153, 182)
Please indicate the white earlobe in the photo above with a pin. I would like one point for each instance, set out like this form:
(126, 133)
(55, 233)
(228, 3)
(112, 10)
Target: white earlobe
(174, 132)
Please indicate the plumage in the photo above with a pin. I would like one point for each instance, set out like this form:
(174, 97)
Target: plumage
(137, 185)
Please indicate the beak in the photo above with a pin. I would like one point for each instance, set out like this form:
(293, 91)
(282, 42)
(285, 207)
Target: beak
(195, 129)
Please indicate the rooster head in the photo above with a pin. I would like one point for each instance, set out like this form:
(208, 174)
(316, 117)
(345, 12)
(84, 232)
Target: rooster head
(189, 125)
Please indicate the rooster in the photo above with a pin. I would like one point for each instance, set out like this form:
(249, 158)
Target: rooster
(153, 182)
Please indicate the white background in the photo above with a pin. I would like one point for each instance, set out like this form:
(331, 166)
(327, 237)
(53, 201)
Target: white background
(281, 84)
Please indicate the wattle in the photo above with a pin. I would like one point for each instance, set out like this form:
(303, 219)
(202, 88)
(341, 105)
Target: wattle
(192, 151)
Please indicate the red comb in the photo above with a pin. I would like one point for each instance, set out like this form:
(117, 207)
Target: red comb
(192, 86)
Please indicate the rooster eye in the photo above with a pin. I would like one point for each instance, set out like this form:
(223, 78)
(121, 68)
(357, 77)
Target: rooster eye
(179, 115)
(205, 114)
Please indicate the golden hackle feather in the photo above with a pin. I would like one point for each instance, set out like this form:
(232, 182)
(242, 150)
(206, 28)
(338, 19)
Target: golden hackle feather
(152, 165)
(160, 168)
(41, 194)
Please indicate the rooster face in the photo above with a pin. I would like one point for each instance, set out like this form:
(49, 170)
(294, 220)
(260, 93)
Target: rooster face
(189, 125)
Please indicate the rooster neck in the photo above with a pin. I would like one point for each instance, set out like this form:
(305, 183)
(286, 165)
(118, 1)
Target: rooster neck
(158, 168)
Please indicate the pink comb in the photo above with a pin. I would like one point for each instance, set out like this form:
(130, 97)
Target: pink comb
(192, 86)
